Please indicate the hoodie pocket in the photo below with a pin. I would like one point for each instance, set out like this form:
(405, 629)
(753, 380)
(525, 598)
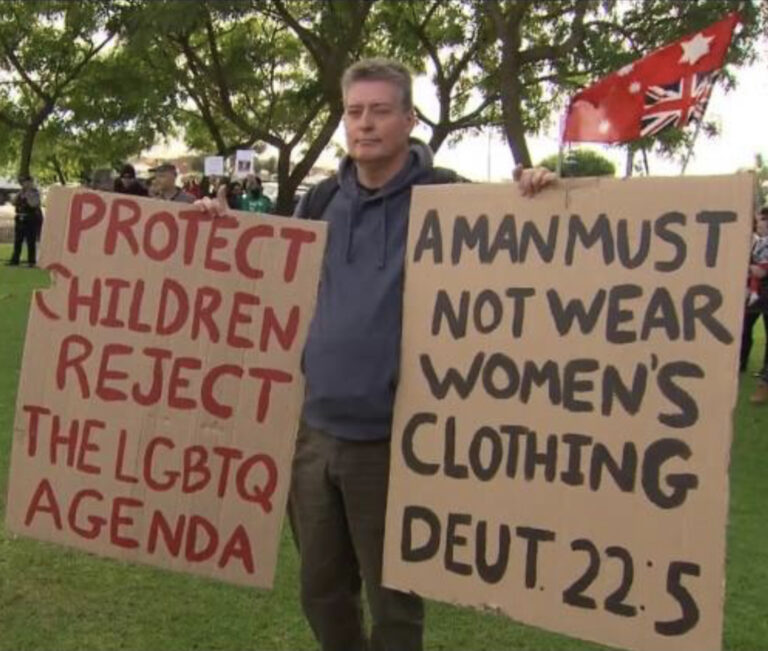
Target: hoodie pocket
(362, 367)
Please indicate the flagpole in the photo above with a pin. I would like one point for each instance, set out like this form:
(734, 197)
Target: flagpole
(690, 147)
(561, 144)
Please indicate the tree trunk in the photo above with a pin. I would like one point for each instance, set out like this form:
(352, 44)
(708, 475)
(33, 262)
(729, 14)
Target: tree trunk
(293, 178)
(30, 134)
(507, 28)
(286, 186)
(630, 161)
(27, 145)
(439, 135)
(58, 170)
(304, 166)
(512, 115)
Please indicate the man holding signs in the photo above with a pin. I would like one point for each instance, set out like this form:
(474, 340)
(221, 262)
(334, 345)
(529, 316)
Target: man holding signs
(341, 466)
(530, 397)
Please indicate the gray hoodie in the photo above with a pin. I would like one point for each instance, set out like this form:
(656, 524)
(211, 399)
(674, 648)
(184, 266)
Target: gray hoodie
(352, 352)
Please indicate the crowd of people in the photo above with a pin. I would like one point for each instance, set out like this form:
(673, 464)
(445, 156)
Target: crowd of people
(245, 194)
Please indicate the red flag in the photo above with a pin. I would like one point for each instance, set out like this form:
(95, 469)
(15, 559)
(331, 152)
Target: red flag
(669, 87)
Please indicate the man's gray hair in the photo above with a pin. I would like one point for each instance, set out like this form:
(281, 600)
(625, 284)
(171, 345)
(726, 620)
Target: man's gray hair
(380, 70)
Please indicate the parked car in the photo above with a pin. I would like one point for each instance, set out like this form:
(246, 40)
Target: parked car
(8, 188)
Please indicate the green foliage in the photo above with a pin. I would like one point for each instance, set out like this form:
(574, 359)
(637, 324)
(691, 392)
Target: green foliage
(119, 117)
(89, 83)
(454, 47)
(253, 74)
(581, 162)
(549, 50)
(46, 49)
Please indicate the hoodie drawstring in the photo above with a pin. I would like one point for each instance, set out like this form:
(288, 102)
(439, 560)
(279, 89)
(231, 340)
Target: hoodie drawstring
(383, 243)
(353, 208)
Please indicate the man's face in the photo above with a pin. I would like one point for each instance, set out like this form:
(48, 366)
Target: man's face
(165, 180)
(761, 225)
(376, 123)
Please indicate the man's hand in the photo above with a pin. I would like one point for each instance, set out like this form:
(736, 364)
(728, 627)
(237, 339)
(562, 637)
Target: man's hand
(757, 271)
(532, 180)
(217, 207)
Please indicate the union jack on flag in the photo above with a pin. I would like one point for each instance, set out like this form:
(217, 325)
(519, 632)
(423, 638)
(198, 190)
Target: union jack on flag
(676, 104)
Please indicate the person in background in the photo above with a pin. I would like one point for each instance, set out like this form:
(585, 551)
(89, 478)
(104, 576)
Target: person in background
(102, 180)
(254, 199)
(757, 304)
(205, 187)
(756, 299)
(211, 186)
(235, 195)
(758, 257)
(28, 222)
(127, 183)
(191, 186)
(164, 186)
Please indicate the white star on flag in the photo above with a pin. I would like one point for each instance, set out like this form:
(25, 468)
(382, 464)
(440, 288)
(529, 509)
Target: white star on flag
(696, 48)
(635, 87)
(623, 72)
(604, 126)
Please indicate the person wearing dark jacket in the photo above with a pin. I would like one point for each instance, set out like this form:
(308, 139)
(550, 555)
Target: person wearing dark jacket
(340, 473)
(28, 222)
(341, 466)
(127, 183)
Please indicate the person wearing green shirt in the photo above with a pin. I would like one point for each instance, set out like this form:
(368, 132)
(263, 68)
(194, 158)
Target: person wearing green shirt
(254, 199)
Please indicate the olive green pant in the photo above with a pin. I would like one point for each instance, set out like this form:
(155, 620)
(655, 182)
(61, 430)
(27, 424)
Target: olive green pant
(337, 505)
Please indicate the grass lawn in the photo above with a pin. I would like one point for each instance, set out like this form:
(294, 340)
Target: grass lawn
(55, 598)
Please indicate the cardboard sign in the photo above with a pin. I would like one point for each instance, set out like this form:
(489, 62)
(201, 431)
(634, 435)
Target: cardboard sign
(563, 420)
(214, 166)
(161, 391)
(244, 162)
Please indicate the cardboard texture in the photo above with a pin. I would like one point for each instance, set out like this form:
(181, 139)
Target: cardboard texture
(576, 481)
(161, 390)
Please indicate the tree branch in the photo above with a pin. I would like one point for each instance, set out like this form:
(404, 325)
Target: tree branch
(315, 149)
(17, 65)
(465, 120)
(86, 59)
(305, 123)
(309, 40)
(423, 118)
(541, 52)
(419, 28)
(464, 61)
